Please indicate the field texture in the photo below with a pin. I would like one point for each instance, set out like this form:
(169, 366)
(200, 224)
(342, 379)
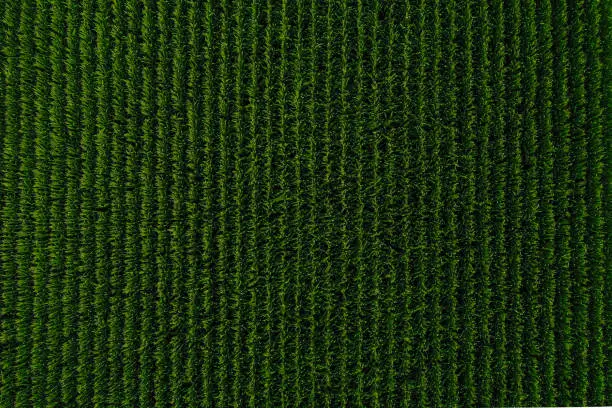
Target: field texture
(266, 203)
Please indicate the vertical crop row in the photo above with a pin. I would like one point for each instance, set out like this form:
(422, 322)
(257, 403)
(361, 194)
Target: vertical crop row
(450, 234)
(267, 179)
(606, 46)
(102, 208)
(530, 263)
(42, 201)
(223, 260)
(595, 215)
(70, 284)
(282, 198)
(179, 195)
(483, 210)
(498, 210)
(57, 241)
(298, 133)
(133, 160)
(434, 209)
(254, 227)
(118, 189)
(406, 210)
(20, 205)
(87, 215)
(326, 352)
(391, 252)
(148, 234)
(163, 221)
(373, 130)
(360, 271)
(467, 191)
(578, 211)
(514, 208)
(545, 155)
(561, 174)
(198, 286)
(419, 137)
(238, 129)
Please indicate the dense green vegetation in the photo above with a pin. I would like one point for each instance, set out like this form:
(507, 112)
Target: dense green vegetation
(270, 203)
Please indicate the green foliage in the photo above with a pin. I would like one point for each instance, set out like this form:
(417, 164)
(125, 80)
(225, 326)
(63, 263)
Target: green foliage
(304, 203)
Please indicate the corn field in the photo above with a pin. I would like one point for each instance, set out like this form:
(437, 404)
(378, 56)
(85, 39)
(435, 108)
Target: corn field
(310, 203)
